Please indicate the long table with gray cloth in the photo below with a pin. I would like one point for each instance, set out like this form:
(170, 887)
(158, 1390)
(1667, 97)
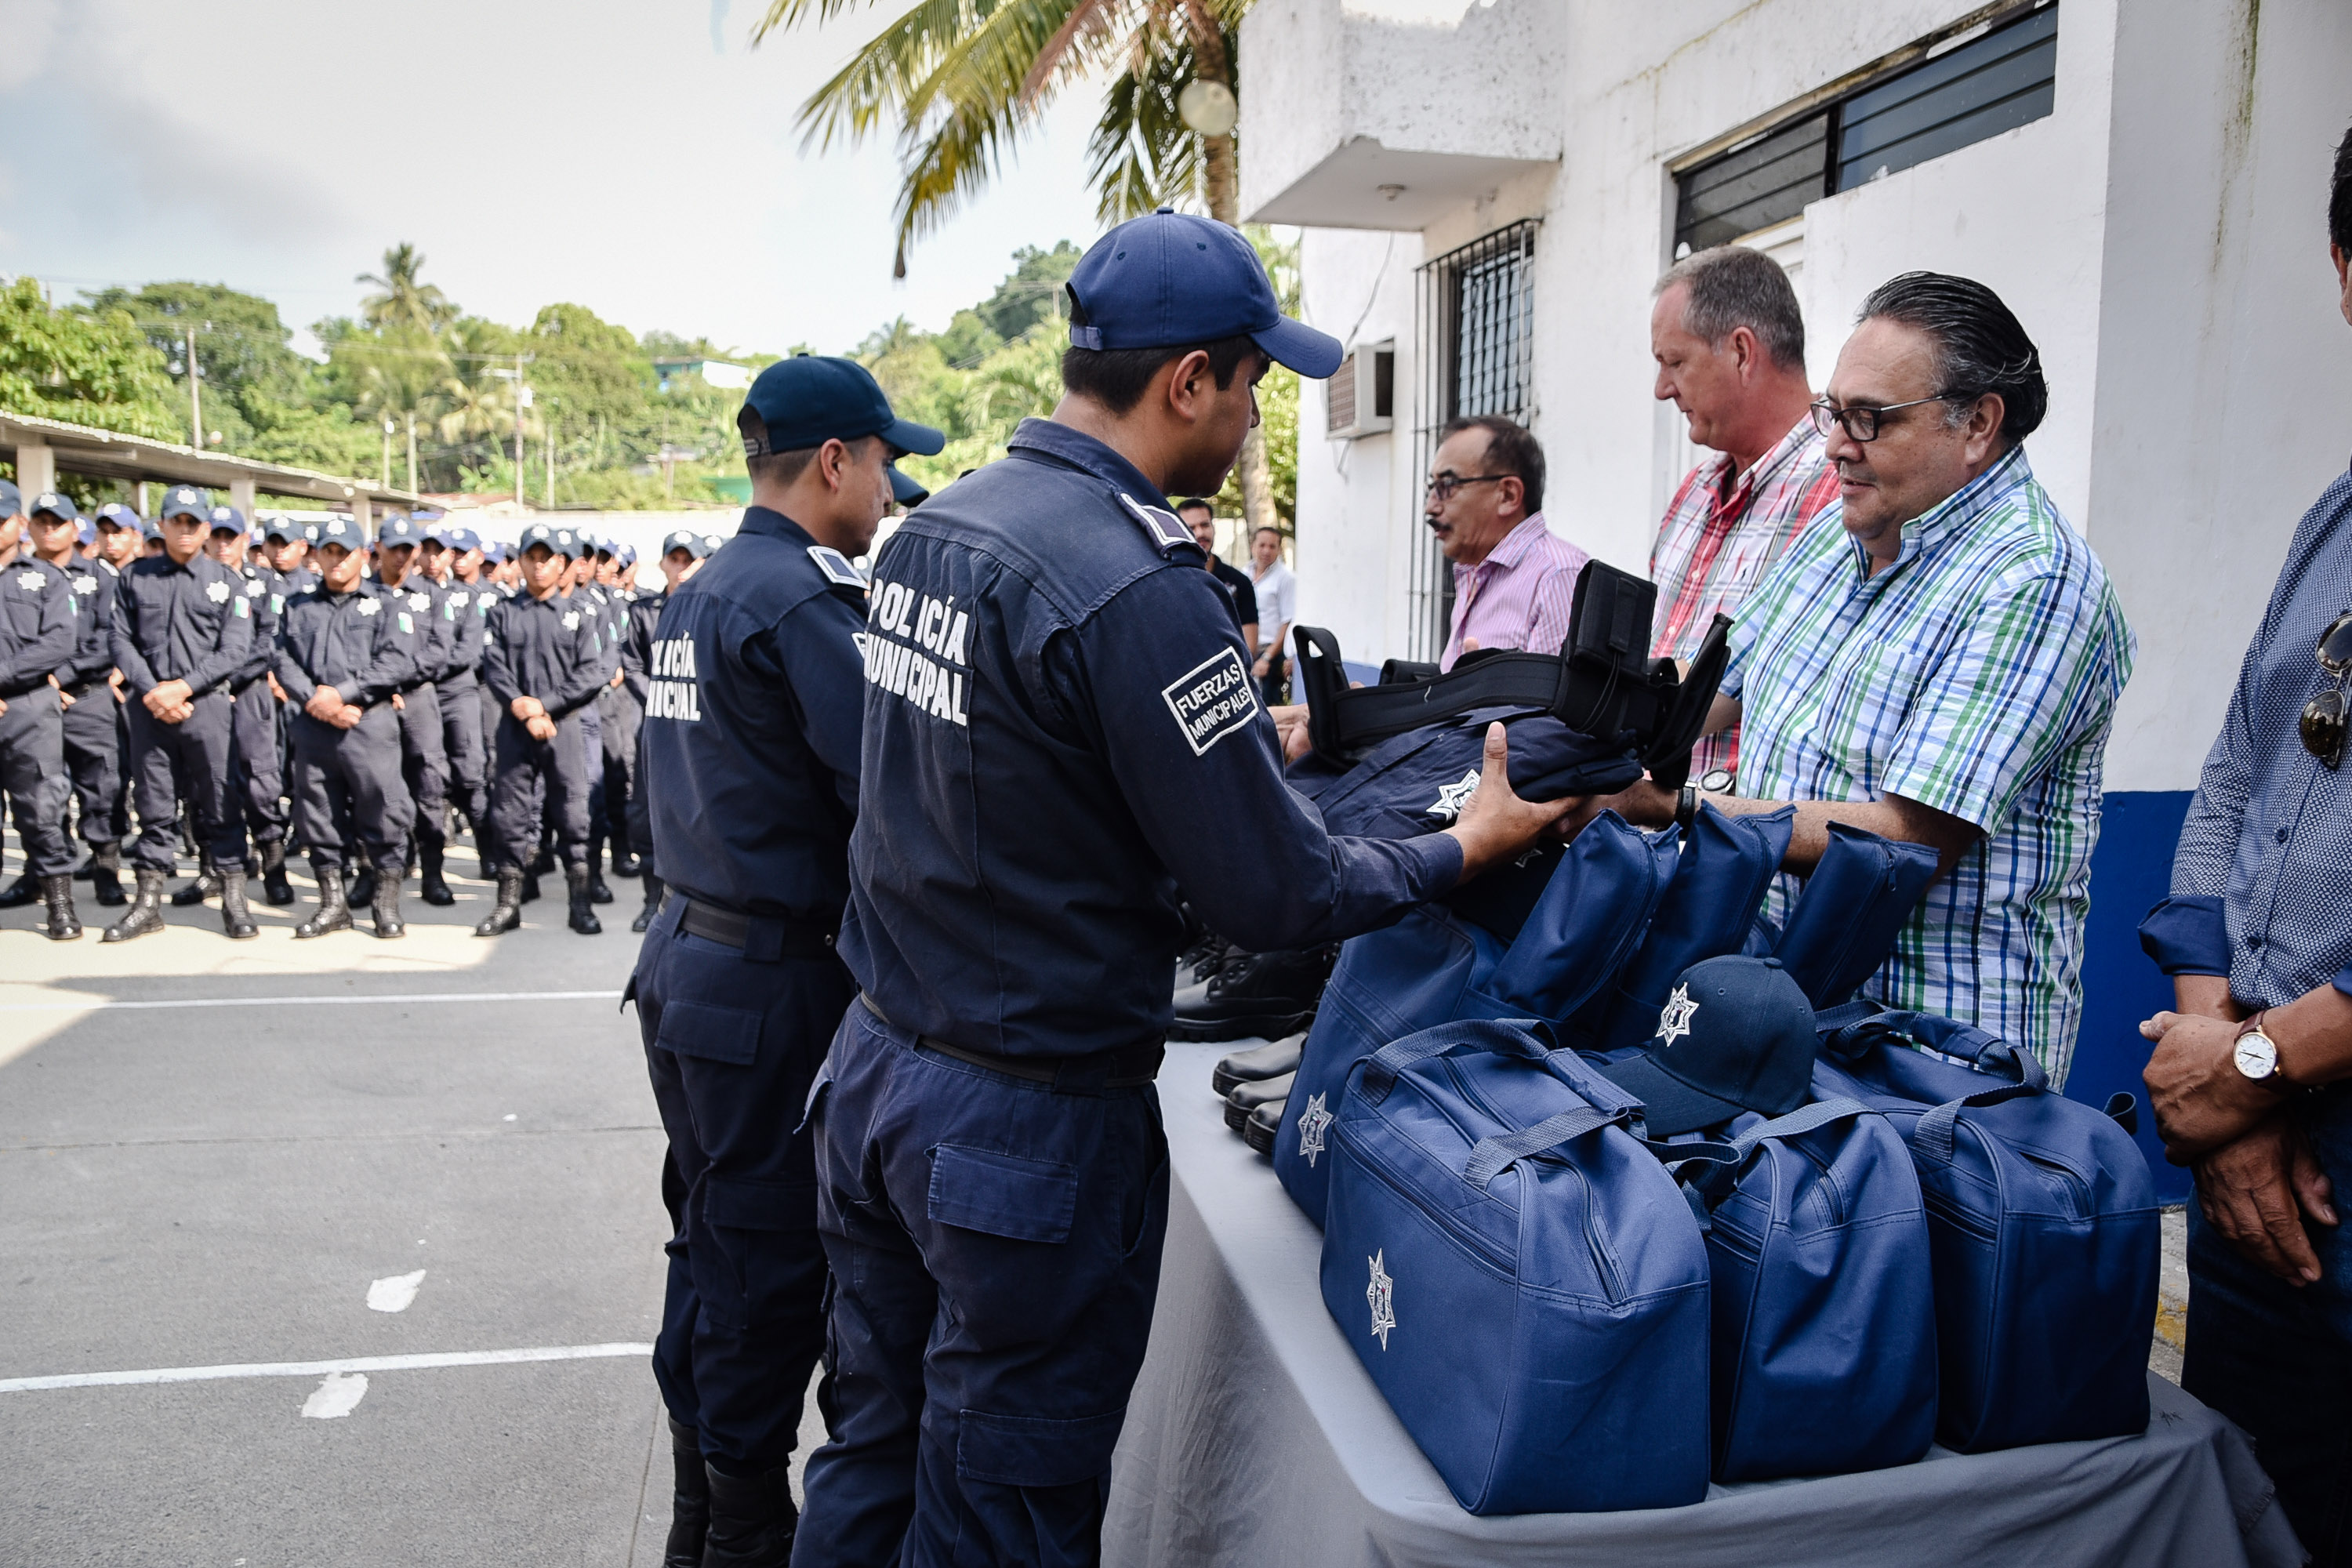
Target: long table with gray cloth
(1256, 1436)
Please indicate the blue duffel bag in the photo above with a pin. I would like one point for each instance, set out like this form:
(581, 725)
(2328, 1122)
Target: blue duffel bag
(2041, 1221)
(1519, 1274)
(1853, 907)
(1824, 1316)
(1433, 966)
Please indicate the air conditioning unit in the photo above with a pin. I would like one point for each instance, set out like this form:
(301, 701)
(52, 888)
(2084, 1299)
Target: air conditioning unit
(1360, 397)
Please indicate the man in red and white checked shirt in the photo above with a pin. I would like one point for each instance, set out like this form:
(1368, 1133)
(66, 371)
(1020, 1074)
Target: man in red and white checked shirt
(1730, 346)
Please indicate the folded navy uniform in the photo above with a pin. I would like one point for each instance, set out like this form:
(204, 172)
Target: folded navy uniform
(1419, 781)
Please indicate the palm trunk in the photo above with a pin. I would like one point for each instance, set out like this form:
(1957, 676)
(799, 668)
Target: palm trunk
(412, 451)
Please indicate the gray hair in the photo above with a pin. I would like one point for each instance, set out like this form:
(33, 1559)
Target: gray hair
(1733, 285)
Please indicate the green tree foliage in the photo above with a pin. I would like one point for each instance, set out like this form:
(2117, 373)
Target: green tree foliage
(82, 366)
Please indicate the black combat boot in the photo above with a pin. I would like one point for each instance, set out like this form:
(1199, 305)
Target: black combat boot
(64, 924)
(690, 1501)
(507, 913)
(105, 874)
(146, 911)
(362, 886)
(333, 913)
(206, 883)
(236, 915)
(385, 907)
(274, 885)
(598, 893)
(583, 912)
(24, 890)
(430, 849)
(653, 904)
(625, 860)
(753, 1520)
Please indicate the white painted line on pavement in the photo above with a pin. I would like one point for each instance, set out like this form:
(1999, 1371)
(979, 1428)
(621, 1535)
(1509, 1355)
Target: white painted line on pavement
(321, 1001)
(336, 1397)
(318, 1368)
(394, 1294)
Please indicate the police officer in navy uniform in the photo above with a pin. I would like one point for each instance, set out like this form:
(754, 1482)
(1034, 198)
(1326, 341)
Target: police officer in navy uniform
(39, 632)
(94, 721)
(182, 630)
(345, 646)
(543, 661)
(754, 691)
(424, 757)
(622, 713)
(257, 794)
(466, 603)
(682, 553)
(1056, 701)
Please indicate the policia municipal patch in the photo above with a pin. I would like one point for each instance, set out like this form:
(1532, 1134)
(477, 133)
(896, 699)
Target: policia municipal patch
(1214, 700)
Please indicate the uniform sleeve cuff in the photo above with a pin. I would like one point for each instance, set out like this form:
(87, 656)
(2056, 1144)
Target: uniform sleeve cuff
(1437, 864)
(2189, 936)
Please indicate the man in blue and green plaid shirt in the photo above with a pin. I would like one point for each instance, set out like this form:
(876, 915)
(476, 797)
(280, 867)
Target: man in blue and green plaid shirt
(1942, 668)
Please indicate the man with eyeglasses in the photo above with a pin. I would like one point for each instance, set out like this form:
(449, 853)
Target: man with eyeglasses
(1942, 668)
(1514, 579)
(2247, 1078)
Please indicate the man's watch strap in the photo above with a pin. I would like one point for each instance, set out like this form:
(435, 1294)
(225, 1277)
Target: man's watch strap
(1686, 805)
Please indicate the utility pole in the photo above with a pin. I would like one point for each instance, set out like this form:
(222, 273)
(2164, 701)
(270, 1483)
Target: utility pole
(387, 451)
(196, 399)
(551, 459)
(522, 405)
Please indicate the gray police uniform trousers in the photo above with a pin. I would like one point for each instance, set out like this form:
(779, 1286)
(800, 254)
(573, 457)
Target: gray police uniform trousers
(197, 747)
(33, 771)
(541, 780)
(348, 787)
(463, 711)
(425, 763)
(622, 718)
(258, 761)
(93, 747)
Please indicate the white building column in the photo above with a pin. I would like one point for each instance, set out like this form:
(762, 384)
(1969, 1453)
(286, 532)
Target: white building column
(240, 496)
(36, 469)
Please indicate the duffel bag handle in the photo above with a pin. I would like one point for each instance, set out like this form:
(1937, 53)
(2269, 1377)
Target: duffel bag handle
(1851, 1030)
(1525, 1038)
(1728, 1157)
(1933, 1136)
(1488, 1156)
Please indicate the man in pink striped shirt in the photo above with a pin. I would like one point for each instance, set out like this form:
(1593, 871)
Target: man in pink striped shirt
(1514, 579)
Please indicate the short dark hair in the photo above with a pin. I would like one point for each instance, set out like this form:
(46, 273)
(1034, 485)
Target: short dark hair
(1265, 528)
(2339, 198)
(1510, 450)
(784, 468)
(1733, 285)
(1980, 347)
(1117, 378)
(1196, 503)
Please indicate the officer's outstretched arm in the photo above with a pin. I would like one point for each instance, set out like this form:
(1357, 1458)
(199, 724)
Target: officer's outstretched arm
(1497, 824)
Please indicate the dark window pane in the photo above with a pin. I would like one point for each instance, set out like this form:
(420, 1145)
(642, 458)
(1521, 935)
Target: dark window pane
(1754, 186)
(1993, 84)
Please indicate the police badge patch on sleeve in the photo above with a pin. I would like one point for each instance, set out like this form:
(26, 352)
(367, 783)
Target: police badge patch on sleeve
(1214, 700)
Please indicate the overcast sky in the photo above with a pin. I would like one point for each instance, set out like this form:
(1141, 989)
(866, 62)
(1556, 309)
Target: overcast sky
(635, 156)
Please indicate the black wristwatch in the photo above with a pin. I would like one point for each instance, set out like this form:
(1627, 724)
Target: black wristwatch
(1686, 805)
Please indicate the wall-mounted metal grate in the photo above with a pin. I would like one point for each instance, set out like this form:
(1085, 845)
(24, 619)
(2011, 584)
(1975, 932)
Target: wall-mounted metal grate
(2001, 79)
(1475, 318)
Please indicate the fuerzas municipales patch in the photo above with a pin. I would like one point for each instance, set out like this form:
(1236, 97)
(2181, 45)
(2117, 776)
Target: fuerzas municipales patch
(1214, 700)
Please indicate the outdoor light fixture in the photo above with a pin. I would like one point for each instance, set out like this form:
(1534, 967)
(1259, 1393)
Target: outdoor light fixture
(1208, 107)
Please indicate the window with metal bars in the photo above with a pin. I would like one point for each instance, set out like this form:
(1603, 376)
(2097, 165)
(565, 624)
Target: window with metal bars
(2002, 79)
(1475, 319)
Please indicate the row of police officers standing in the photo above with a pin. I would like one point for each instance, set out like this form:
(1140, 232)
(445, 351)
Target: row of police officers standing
(924, 837)
(178, 680)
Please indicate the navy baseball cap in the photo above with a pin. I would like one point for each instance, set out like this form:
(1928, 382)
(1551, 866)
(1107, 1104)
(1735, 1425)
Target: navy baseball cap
(151, 528)
(85, 533)
(227, 520)
(60, 507)
(626, 555)
(114, 514)
(558, 541)
(11, 498)
(1735, 1034)
(1172, 278)
(686, 539)
(810, 399)
(185, 501)
(285, 531)
(398, 530)
(906, 491)
(460, 539)
(339, 531)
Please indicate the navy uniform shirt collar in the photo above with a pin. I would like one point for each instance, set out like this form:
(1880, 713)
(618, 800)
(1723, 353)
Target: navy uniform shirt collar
(774, 524)
(1059, 443)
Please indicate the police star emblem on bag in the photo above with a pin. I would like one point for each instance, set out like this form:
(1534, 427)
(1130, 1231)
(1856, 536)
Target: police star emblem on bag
(1452, 798)
(1675, 1017)
(1311, 1123)
(1381, 1294)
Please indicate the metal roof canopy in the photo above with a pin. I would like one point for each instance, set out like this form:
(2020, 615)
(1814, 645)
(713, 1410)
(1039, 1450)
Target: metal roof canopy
(109, 454)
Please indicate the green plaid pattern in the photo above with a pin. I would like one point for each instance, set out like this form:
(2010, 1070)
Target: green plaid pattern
(1977, 675)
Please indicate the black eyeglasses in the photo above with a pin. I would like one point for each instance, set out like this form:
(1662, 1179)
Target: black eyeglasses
(1861, 421)
(1442, 486)
(2323, 724)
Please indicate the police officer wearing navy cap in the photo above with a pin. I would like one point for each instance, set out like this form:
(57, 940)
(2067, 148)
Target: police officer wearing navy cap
(91, 722)
(182, 630)
(346, 647)
(1056, 699)
(682, 555)
(543, 661)
(38, 637)
(754, 690)
(256, 791)
(424, 747)
(466, 602)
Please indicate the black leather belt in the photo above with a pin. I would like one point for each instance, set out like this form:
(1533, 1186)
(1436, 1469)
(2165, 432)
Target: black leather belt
(80, 689)
(1122, 1067)
(762, 939)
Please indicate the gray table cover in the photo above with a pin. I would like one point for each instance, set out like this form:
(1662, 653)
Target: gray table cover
(1256, 1436)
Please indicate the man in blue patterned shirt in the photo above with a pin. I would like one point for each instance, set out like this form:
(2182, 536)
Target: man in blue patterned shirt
(2247, 1081)
(1941, 668)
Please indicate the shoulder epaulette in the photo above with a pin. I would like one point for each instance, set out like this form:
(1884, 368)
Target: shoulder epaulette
(1163, 528)
(836, 567)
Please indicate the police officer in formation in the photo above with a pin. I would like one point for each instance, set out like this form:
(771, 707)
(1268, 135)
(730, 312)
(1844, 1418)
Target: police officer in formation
(424, 758)
(349, 647)
(621, 710)
(257, 792)
(753, 685)
(183, 631)
(39, 633)
(455, 562)
(682, 555)
(544, 661)
(95, 724)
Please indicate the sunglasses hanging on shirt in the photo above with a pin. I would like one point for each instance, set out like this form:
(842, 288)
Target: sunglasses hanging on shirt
(2324, 717)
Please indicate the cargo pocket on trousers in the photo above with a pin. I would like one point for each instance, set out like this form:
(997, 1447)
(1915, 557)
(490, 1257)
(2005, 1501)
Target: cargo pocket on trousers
(1003, 1195)
(1031, 1451)
(755, 1245)
(712, 1033)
